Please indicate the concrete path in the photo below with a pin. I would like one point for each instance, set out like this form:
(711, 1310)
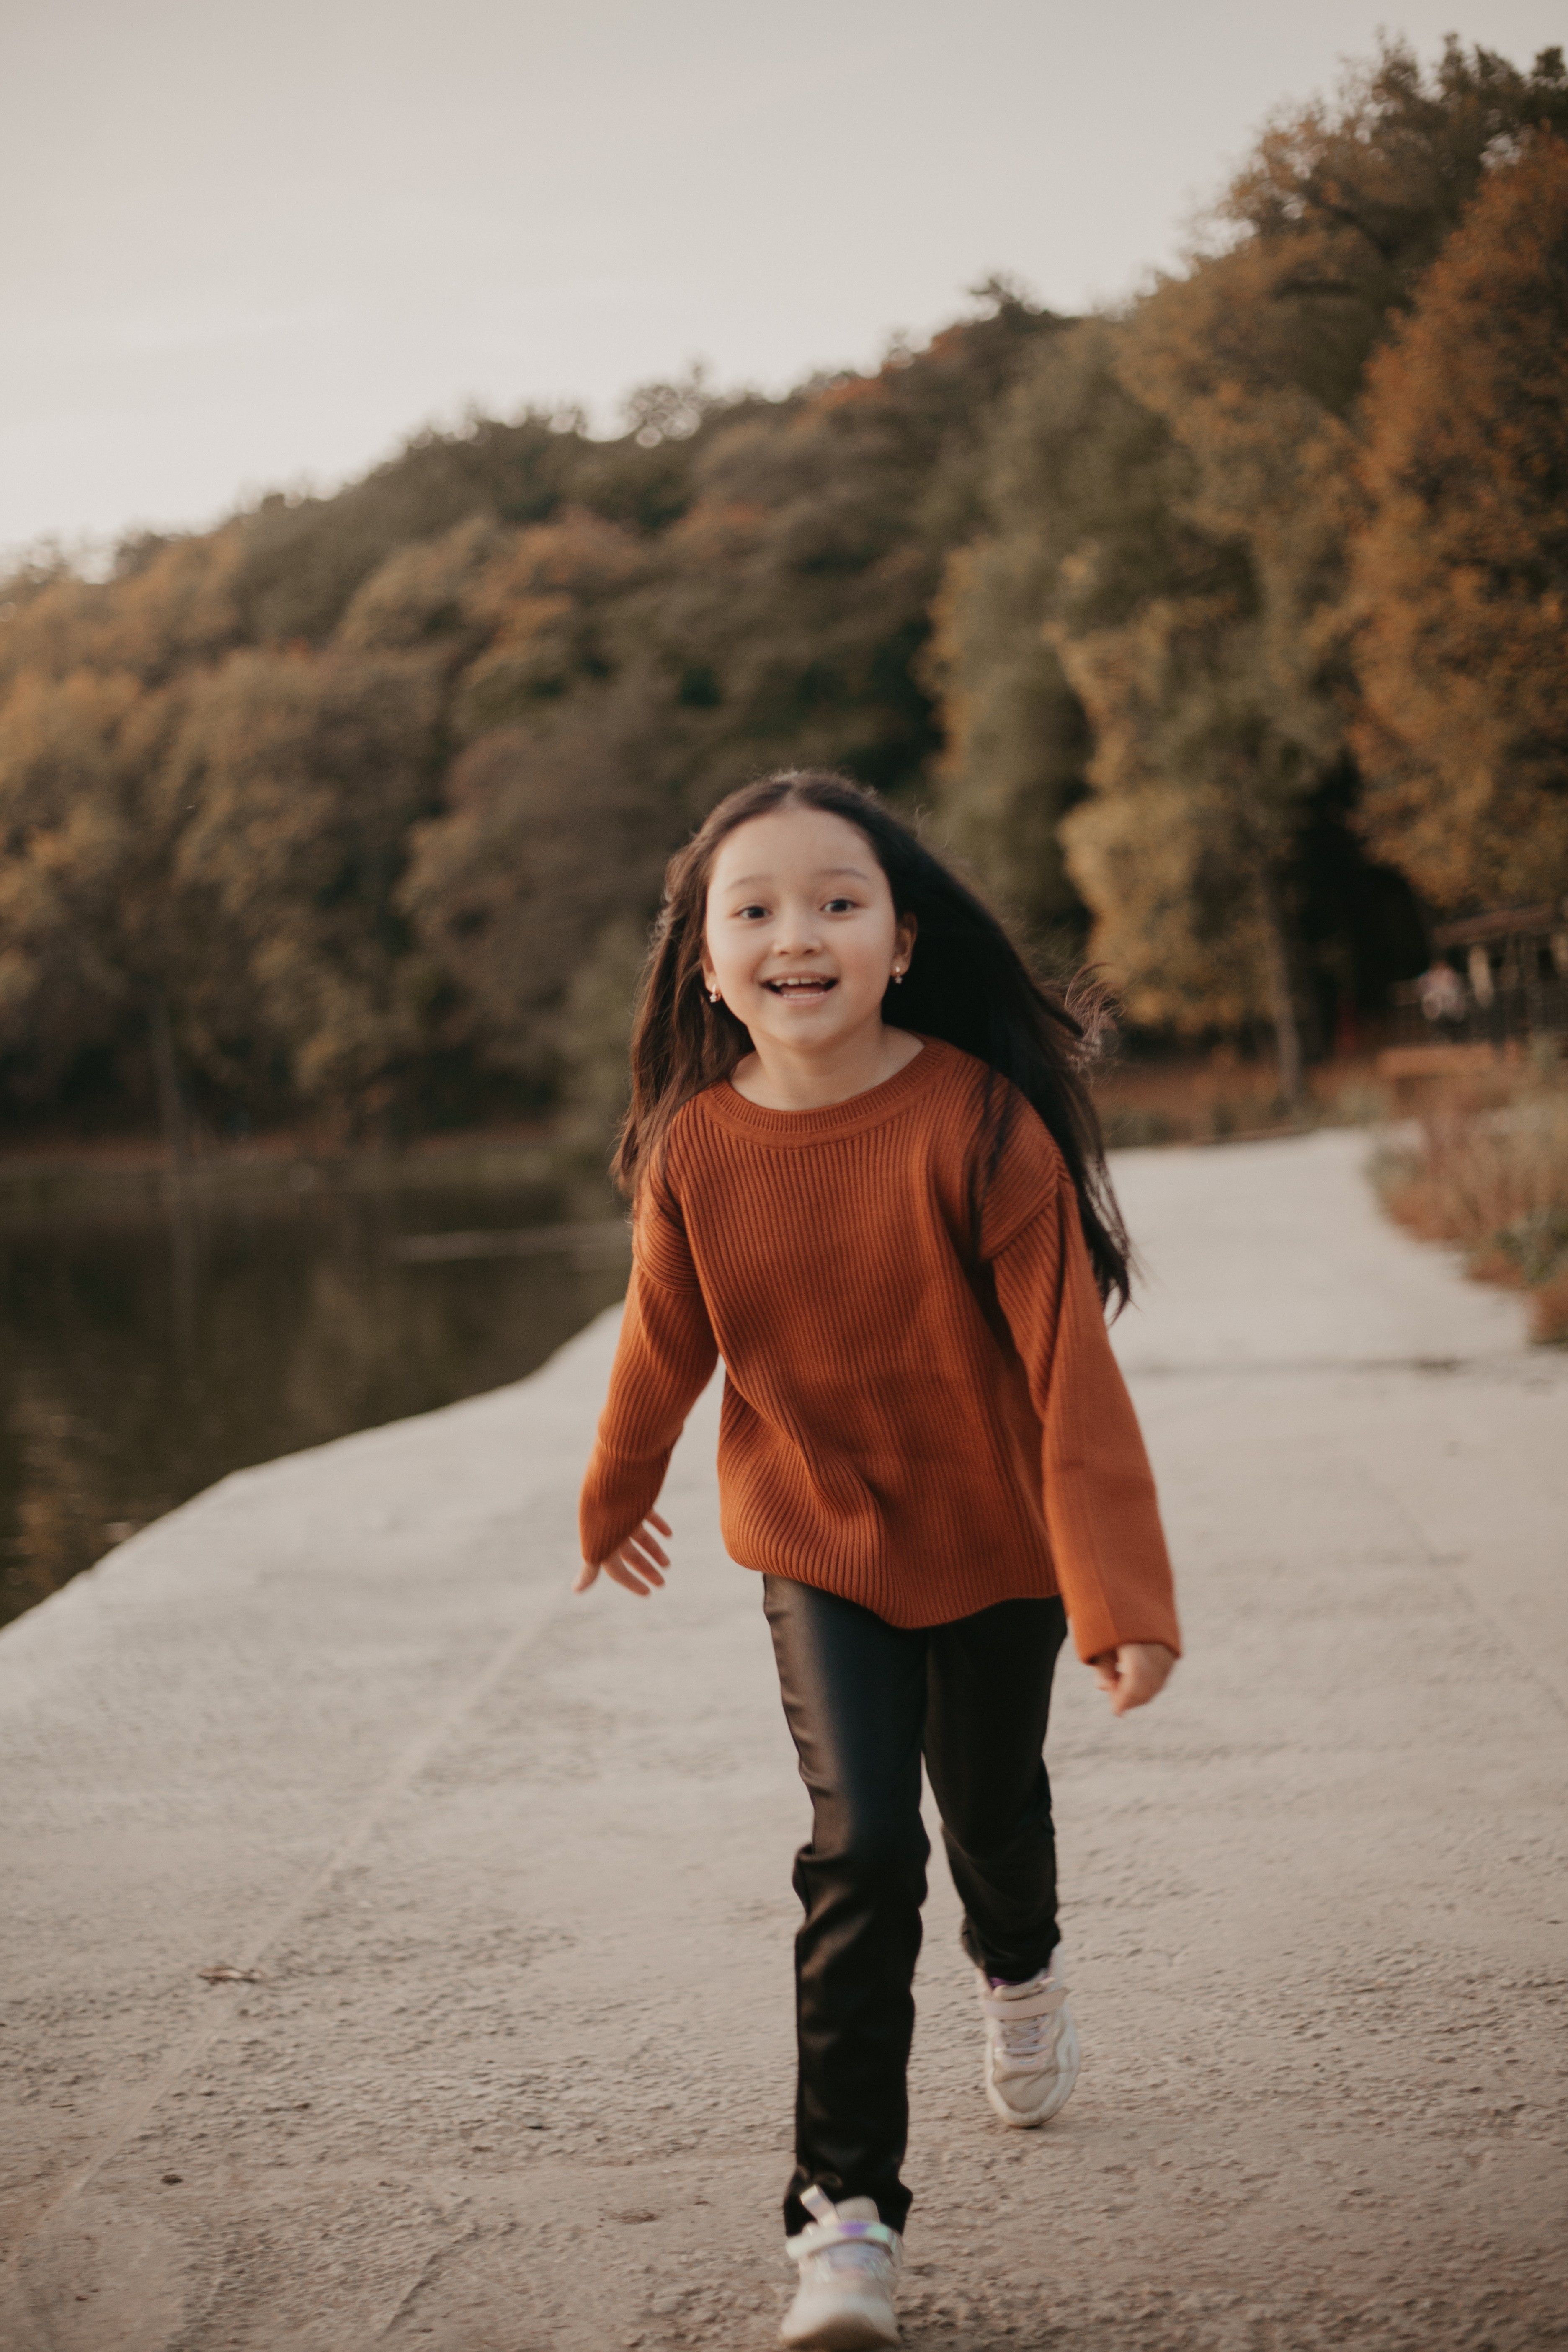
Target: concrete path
(512, 2072)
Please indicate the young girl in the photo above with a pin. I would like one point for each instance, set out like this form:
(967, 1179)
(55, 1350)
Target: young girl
(868, 1174)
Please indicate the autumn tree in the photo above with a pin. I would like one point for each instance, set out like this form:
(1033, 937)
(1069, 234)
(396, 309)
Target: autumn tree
(167, 606)
(370, 793)
(1073, 462)
(793, 601)
(540, 875)
(1229, 705)
(105, 952)
(1257, 358)
(1113, 709)
(626, 680)
(1461, 572)
(303, 560)
(304, 776)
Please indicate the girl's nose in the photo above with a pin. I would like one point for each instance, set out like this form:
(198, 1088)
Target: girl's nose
(799, 935)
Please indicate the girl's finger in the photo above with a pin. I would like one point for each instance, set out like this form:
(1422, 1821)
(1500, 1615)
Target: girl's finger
(635, 1567)
(663, 1525)
(634, 1554)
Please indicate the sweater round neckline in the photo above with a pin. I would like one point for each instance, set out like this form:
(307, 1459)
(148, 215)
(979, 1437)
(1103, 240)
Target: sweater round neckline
(865, 1109)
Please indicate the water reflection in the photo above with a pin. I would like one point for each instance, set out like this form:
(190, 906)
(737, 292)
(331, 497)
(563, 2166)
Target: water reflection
(144, 1356)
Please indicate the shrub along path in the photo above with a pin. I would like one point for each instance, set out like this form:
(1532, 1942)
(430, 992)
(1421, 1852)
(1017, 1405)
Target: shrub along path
(503, 1877)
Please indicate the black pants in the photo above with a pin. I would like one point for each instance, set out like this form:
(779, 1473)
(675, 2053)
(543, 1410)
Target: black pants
(865, 1700)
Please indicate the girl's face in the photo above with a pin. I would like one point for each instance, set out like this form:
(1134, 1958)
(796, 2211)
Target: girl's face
(802, 936)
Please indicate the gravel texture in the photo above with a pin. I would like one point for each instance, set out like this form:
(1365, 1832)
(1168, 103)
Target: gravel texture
(501, 2062)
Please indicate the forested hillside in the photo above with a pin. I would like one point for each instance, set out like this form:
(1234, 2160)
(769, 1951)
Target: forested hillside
(1225, 637)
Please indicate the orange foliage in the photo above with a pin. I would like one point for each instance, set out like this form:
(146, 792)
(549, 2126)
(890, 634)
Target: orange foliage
(1461, 573)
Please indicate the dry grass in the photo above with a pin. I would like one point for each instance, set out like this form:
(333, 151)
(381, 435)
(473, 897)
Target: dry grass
(1221, 1096)
(1489, 1170)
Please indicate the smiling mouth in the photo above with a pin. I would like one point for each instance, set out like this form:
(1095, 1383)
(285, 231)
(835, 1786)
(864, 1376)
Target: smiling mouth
(808, 987)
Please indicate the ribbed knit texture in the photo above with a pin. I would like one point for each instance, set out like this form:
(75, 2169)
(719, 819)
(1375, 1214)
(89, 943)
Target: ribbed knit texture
(920, 1432)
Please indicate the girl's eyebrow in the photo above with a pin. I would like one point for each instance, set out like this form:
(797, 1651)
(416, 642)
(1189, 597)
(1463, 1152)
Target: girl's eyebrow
(749, 881)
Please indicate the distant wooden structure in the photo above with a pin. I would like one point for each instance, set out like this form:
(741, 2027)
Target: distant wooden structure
(1495, 979)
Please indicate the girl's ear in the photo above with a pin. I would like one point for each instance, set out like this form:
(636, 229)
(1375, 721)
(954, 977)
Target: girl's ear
(905, 936)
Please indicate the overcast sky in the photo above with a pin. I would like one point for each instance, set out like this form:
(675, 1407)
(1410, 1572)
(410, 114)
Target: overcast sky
(249, 246)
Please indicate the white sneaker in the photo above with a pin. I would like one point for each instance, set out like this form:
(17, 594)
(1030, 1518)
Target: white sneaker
(848, 2267)
(1031, 2046)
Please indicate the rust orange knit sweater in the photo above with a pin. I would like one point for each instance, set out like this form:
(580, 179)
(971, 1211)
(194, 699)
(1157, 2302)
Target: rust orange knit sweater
(920, 1435)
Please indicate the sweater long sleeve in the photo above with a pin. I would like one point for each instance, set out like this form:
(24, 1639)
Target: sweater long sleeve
(920, 1430)
(664, 1362)
(1096, 1484)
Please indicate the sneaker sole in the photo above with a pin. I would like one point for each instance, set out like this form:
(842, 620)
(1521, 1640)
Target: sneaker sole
(846, 2331)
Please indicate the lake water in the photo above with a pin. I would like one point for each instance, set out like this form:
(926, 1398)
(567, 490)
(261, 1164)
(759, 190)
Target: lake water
(145, 1353)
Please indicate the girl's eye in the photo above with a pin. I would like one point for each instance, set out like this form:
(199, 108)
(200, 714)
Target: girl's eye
(743, 913)
(839, 907)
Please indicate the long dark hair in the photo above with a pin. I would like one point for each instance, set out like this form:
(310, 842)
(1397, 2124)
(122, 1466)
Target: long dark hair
(967, 983)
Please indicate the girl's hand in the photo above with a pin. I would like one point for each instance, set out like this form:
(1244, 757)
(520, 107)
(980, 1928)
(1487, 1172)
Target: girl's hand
(1135, 1674)
(636, 1565)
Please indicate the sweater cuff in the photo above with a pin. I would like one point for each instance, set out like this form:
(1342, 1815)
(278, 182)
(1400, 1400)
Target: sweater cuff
(617, 1495)
(1096, 1632)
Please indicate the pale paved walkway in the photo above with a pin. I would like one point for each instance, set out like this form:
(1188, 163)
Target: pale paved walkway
(513, 1870)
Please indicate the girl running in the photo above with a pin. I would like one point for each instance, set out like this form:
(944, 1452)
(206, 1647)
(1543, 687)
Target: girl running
(867, 1172)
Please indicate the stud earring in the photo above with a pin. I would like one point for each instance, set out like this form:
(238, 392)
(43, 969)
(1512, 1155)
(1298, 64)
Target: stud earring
(712, 996)
(897, 979)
